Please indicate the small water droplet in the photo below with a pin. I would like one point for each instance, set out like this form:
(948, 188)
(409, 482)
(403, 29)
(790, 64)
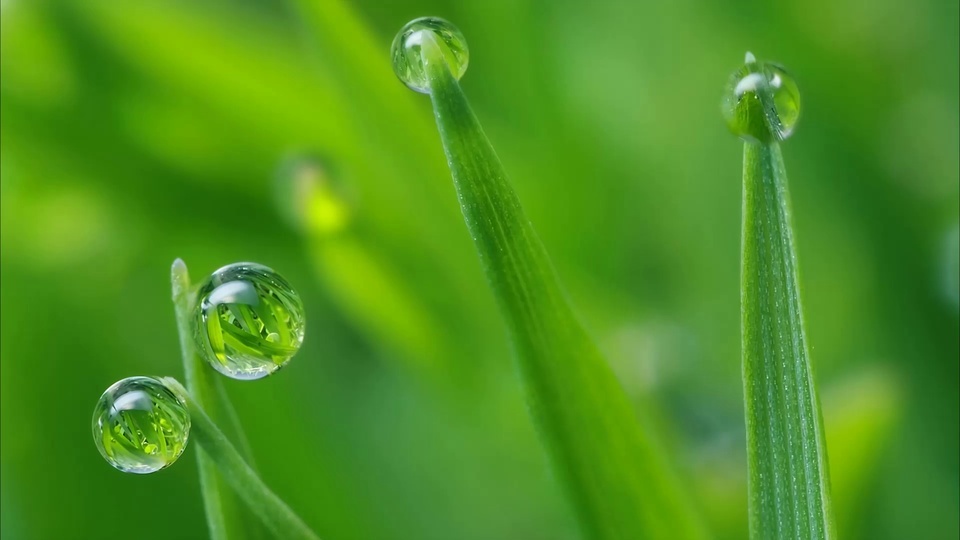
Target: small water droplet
(761, 102)
(249, 321)
(309, 196)
(408, 63)
(140, 425)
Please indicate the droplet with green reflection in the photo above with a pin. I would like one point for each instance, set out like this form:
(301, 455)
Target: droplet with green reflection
(250, 321)
(761, 102)
(408, 62)
(140, 425)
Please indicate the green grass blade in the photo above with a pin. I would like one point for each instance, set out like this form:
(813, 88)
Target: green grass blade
(788, 476)
(275, 514)
(224, 518)
(614, 474)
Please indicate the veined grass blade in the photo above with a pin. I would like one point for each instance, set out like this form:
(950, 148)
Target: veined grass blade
(616, 477)
(789, 486)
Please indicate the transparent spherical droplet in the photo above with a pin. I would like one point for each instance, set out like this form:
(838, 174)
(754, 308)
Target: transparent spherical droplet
(140, 425)
(761, 102)
(309, 196)
(249, 321)
(407, 61)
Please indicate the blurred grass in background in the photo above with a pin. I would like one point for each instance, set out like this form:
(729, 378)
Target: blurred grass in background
(135, 133)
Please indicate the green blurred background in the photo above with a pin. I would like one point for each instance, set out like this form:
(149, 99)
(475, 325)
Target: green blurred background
(136, 132)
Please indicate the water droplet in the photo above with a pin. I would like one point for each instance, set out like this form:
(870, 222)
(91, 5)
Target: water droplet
(407, 61)
(249, 321)
(309, 198)
(761, 102)
(140, 425)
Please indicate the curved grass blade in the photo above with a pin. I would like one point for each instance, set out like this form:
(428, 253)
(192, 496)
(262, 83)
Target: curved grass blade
(224, 518)
(789, 486)
(275, 514)
(615, 475)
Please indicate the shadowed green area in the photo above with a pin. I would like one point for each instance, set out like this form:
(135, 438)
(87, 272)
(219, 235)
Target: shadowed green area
(131, 135)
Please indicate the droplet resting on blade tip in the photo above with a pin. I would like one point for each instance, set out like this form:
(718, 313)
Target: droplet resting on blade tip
(407, 57)
(761, 103)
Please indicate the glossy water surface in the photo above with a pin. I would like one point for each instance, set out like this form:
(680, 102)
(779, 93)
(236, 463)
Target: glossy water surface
(250, 321)
(406, 51)
(140, 425)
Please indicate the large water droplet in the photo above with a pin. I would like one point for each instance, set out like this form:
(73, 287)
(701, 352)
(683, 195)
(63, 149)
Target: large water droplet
(249, 321)
(761, 102)
(408, 63)
(140, 425)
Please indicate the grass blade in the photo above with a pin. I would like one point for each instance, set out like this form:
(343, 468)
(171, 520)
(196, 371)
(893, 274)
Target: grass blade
(789, 488)
(275, 514)
(615, 476)
(224, 519)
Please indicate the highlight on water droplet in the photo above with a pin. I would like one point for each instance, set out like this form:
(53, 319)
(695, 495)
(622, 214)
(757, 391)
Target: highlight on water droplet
(761, 102)
(140, 425)
(250, 321)
(408, 62)
(309, 196)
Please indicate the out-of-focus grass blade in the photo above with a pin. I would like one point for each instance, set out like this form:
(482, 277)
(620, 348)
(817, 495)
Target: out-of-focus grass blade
(862, 413)
(616, 476)
(334, 22)
(236, 73)
(209, 63)
(320, 205)
(375, 295)
(789, 488)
